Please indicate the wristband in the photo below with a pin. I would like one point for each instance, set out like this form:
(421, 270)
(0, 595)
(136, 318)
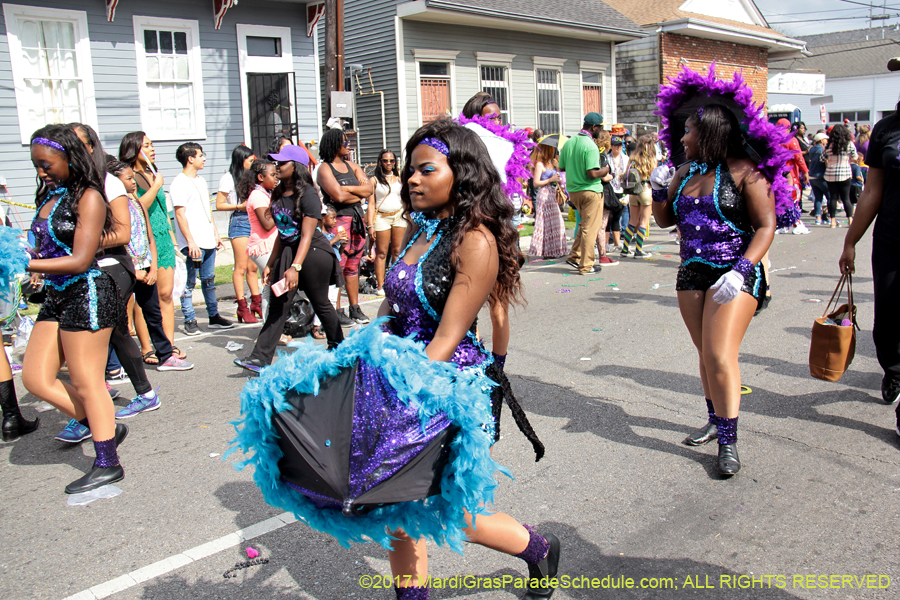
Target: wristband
(744, 267)
(660, 196)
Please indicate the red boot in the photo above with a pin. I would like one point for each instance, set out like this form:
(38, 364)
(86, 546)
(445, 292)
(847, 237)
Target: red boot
(256, 305)
(243, 312)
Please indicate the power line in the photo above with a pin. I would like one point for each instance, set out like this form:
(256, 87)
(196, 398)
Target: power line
(873, 17)
(832, 10)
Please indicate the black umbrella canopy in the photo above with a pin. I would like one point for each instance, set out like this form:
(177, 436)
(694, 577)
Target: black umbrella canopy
(361, 456)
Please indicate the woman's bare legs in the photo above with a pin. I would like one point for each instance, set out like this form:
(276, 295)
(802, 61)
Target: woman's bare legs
(165, 282)
(84, 352)
(40, 366)
(243, 268)
(724, 326)
(382, 245)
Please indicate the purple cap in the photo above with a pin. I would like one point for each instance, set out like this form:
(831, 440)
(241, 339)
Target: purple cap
(292, 152)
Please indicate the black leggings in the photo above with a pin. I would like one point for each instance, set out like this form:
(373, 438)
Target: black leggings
(147, 298)
(839, 189)
(318, 270)
(127, 350)
(886, 330)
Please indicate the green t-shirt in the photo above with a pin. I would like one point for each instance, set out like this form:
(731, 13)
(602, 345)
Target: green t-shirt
(578, 156)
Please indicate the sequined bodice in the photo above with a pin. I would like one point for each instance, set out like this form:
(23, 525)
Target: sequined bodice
(714, 228)
(417, 294)
(55, 235)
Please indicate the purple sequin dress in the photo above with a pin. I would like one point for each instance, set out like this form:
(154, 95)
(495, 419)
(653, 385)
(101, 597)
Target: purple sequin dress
(387, 433)
(84, 301)
(715, 232)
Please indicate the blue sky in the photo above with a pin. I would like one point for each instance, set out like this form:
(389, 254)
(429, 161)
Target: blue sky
(808, 16)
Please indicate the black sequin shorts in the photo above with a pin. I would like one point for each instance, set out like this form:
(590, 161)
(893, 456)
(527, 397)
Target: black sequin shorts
(701, 276)
(88, 304)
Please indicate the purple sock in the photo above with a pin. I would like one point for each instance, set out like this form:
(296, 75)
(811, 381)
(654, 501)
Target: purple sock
(710, 409)
(106, 453)
(727, 429)
(84, 422)
(500, 359)
(412, 593)
(537, 548)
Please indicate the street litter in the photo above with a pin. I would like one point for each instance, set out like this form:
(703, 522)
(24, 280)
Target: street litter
(575, 285)
(611, 284)
(656, 286)
(213, 455)
(106, 491)
(585, 358)
(615, 289)
(233, 346)
(596, 279)
(562, 291)
(812, 300)
(598, 329)
(252, 552)
(781, 269)
(43, 407)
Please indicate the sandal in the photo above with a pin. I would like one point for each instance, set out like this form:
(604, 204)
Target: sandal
(150, 358)
(178, 353)
(284, 340)
(317, 333)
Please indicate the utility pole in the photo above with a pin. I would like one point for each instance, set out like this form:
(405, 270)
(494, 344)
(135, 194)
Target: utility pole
(334, 49)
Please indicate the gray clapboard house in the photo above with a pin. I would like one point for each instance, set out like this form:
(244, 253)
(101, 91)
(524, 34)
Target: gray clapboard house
(212, 71)
(546, 63)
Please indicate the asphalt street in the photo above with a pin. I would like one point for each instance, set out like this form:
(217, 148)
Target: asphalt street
(606, 370)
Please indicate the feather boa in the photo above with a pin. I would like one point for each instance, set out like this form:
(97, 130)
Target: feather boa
(468, 482)
(771, 137)
(13, 259)
(517, 165)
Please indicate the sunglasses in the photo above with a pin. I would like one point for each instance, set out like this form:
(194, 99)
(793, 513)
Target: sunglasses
(346, 144)
(387, 161)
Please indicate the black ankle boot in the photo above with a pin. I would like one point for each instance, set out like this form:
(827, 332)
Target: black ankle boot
(729, 463)
(14, 424)
(544, 571)
(705, 434)
(96, 477)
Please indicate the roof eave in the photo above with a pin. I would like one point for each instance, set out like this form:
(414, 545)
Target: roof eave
(718, 31)
(437, 11)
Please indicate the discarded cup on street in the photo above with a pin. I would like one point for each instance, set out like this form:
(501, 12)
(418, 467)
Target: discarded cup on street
(100, 493)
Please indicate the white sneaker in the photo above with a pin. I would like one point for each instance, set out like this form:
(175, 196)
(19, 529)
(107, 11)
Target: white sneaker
(379, 293)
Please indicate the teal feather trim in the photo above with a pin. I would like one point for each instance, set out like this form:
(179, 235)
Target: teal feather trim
(13, 260)
(464, 396)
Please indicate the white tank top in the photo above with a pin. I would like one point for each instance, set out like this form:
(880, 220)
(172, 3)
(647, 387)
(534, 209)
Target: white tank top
(387, 198)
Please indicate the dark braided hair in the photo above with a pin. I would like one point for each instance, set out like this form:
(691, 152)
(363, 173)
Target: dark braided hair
(250, 178)
(330, 145)
(478, 199)
(83, 173)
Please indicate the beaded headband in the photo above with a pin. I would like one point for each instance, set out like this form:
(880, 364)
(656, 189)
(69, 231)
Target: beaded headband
(700, 113)
(437, 145)
(45, 142)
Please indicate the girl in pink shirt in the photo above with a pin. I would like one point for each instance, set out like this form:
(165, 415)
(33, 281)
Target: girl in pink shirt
(255, 187)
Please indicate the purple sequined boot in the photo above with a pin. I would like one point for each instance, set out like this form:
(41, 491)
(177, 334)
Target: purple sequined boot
(708, 432)
(542, 557)
(412, 593)
(106, 468)
(729, 463)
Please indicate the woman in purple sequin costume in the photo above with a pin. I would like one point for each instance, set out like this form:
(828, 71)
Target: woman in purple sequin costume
(461, 245)
(82, 306)
(724, 208)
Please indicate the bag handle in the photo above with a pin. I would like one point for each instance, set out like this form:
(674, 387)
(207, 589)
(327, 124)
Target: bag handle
(837, 293)
(847, 279)
(851, 302)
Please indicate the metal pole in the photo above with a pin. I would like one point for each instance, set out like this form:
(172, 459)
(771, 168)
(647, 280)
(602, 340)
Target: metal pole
(331, 53)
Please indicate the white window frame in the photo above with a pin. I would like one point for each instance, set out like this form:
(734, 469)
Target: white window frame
(445, 56)
(544, 63)
(263, 64)
(593, 67)
(11, 14)
(496, 59)
(193, 29)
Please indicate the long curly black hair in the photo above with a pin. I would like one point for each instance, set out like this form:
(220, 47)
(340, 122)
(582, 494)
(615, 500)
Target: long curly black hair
(838, 139)
(330, 145)
(478, 199)
(83, 172)
(302, 180)
(250, 177)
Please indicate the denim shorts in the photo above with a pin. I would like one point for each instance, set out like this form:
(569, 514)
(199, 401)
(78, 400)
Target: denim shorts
(238, 225)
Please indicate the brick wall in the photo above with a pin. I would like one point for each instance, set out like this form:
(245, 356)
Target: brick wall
(729, 57)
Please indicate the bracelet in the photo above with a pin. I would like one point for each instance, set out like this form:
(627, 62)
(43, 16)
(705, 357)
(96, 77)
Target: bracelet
(744, 267)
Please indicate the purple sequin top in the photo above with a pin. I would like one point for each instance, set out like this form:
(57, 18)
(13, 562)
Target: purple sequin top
(715, 229)
(57, 241)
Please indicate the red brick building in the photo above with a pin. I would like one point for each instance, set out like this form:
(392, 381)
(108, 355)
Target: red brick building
(731, 33)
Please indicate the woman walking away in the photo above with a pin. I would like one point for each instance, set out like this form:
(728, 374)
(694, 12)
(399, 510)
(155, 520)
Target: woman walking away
(344, 186)
(461, 254)
(82, 307)
(817, 178)
(239, 232)
(385, 219)
(301, 259)
(549, 237)
(725, 208)
(838, 154)
(643, 160)
(255, 190)
(136, 151)
(880, 202)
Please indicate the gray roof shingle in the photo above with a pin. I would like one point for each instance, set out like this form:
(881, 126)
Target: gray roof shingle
(853, 35)
(844, 60)
(593, 14)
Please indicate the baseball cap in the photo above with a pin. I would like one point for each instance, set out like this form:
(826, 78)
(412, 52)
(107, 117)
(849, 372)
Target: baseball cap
(616, 141)
(292, 152)
(819, 137)
(783, 123)
(593, 118)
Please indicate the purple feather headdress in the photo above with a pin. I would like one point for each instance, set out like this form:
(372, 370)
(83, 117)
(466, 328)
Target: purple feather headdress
(767, 138)
(517, 165)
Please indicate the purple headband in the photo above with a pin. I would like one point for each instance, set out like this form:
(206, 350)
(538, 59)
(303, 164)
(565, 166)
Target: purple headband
(50, 143)
(700, 113)
(437, 145)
